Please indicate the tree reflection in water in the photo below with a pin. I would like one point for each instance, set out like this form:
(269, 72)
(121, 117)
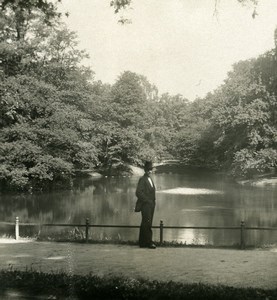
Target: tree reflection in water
(111, 201)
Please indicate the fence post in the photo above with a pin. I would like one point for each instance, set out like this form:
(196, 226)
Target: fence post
(16, 228)
(87, 226)
(242, 234)
(161, 231)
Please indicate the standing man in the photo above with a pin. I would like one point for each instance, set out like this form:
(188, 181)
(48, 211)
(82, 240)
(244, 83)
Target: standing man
(146, 194)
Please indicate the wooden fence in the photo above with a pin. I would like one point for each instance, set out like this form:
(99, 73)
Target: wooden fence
(242, 228)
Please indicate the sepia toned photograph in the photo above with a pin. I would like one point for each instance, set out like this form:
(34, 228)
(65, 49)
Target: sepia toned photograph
(138, 149)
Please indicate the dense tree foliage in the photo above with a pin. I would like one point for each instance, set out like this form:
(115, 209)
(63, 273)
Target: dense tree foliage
(55, 119)
(44, 94)
(237, 126)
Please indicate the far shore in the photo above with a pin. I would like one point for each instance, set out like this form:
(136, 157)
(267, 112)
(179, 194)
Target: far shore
(262, 182)
(265, 180)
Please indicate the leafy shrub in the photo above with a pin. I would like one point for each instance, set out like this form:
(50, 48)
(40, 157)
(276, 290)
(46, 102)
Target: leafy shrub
(249, 163)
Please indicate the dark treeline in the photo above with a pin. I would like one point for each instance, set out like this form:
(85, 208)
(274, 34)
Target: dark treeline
(56, 119)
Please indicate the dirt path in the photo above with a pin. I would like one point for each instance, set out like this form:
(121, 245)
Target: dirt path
(249, 268)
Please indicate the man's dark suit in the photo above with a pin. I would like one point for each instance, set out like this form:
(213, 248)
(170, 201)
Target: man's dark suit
(146, 194)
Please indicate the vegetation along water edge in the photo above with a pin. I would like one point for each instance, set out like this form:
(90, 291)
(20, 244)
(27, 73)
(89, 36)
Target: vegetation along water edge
(55, 118)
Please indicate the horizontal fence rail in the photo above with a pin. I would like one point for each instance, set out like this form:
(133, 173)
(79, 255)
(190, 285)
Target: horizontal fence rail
(161, 227)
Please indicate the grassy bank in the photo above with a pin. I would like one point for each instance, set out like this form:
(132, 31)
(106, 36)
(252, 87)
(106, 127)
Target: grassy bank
(68, 238)
(63, 286)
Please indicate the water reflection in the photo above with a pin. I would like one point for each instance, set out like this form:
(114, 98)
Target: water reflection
(205, 199)
(190, 191)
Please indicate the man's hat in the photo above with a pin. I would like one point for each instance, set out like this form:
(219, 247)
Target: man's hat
(148, 166)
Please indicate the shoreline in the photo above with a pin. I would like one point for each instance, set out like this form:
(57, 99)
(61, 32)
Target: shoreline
(260, 182)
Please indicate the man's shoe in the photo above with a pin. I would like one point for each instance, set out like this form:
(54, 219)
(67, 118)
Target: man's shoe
(152, 246)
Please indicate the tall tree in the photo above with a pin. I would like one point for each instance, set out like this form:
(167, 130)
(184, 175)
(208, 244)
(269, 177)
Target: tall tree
(44, 98)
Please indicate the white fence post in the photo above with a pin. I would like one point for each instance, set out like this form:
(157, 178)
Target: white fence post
(16, 228)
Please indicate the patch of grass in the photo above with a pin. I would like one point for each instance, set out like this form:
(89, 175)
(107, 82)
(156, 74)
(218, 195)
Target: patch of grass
(63, 286)
(78, 236)
(112, 241)
(6, 236)
(268, 246)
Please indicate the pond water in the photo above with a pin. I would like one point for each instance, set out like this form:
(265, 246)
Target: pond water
(185, 197)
